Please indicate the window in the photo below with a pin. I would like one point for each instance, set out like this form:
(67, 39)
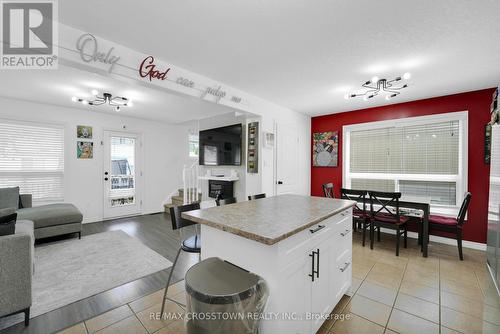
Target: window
(32, 157)
(420, 156)
(194, 144)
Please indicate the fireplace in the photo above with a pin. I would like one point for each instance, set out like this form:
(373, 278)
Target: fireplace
(224, 188)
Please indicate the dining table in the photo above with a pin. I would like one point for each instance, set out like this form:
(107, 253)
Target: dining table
(418, 207)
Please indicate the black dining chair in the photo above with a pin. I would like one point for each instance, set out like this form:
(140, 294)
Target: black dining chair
(359, 215)
(328, 190)
(225, 201)
(385, 212)
(258, 196)
(452, 225)
(190, 244)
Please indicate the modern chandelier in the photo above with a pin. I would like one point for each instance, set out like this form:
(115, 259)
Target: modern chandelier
(376, 86)
(106, 98)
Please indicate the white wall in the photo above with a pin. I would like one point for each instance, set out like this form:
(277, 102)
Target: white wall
(165, 151)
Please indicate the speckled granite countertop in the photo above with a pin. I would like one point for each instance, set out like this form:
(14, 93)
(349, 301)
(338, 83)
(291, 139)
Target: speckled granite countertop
(271, 219)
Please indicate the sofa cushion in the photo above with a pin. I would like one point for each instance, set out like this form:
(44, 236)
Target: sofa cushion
(9, 197)
(51, 215)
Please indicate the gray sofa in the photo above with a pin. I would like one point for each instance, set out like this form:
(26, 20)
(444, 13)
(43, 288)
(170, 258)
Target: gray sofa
(17, 250)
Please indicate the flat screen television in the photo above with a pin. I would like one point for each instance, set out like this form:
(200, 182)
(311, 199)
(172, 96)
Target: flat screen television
(221, 146)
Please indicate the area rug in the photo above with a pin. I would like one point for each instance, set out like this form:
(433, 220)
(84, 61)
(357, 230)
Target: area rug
(68, 271)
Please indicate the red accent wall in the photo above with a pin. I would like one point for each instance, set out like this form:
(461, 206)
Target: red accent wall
(477, 103)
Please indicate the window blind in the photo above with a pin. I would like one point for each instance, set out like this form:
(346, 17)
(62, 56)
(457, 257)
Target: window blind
(399, 157)
(418, 149)
(32, 157)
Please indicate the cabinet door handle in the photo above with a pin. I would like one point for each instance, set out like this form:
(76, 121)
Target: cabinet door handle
(345, 233)
(320, 227)
(345, 266)
(317, 263)
(312, 266)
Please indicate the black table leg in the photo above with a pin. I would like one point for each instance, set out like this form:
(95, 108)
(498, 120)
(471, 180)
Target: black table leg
(425, 230)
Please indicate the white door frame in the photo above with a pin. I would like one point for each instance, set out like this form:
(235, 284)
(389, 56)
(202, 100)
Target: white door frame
(139, 160)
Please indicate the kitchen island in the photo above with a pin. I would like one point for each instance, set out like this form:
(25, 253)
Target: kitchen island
(301, 246)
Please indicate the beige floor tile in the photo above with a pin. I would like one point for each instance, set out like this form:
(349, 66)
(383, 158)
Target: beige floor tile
(176, 327)
(420, 291)
(361, 270)
(446, 330)
(104, 320)
(465, 323)
(76, 329)
(471, 307)
(388, 331)
(356, 282)
(356, 325)
(147, 301)
(463, 289)
(406, 323)
(369, 309)
(423, 277)
(418, 307)
(151, 320)
(378, 293)
(389, 280)
(130, 325)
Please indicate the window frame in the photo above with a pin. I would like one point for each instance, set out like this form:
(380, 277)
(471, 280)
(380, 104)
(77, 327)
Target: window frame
(190, 135)
(460, 178)
(61, 174)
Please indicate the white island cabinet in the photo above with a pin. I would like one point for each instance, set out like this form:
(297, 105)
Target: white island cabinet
(300, 245)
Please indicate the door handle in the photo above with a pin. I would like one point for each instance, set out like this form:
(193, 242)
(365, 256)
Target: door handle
(345, 266)
(280, 182)
(320, 227)
(345, 233)
(105, 173)
(105, 179)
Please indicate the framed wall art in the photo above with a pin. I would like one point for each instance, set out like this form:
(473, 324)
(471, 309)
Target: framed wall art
(325, 149)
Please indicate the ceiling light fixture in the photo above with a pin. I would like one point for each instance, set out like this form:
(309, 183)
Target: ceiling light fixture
(115, 101)
(376, 85)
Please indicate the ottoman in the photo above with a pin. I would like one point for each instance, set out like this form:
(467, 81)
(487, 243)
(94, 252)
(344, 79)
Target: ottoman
(53, 219)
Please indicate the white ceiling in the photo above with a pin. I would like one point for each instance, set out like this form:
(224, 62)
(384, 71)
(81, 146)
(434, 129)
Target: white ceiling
(306, 54)
(58, 87)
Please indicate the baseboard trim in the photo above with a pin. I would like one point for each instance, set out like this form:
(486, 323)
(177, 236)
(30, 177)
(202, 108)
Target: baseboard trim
(442, 240)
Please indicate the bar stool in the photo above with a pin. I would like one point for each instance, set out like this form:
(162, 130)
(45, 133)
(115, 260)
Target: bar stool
(258, 196)
(190, 245)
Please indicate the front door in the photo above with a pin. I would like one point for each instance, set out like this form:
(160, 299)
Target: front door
(122, 196)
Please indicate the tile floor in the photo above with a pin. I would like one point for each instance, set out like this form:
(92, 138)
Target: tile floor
(405, 294)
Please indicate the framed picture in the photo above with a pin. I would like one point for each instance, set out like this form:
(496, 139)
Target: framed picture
(85, 150)
(325, 149)
(83, 131)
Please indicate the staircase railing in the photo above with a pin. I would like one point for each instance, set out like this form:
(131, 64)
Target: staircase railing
(191, 183)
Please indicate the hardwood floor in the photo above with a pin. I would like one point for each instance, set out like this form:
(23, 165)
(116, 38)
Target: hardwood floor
(156, 232)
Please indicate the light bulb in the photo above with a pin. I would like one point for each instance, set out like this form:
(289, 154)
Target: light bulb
(74, 99)
(94, 92)
(407, 76)
(130, 104)
(375, 79)
(387, 97)
(85, 102)
(117, 109)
